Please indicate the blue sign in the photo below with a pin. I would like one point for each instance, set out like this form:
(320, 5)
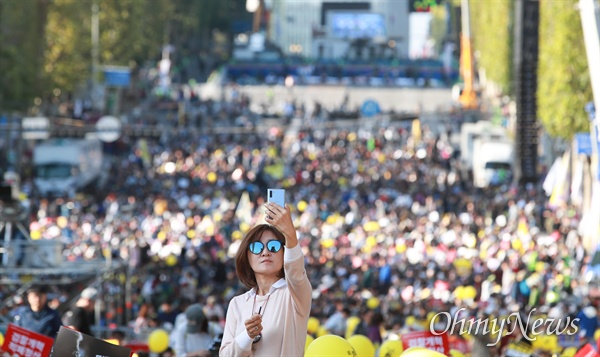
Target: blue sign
(117, 77)
(370, 108)
(583, 143)
(566, 341)
(590, 108)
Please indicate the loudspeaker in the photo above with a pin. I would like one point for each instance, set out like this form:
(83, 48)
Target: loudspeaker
(527, 20)
(7, 192)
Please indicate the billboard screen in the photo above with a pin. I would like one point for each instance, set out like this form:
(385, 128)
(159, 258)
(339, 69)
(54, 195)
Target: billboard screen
(356, 25)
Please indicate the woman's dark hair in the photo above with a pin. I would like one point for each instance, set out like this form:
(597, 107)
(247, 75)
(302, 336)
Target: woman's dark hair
(242, 265)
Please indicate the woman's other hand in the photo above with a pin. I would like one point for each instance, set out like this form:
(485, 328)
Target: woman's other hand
(254, 326)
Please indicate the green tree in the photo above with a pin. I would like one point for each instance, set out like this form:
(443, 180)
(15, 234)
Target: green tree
(133, 31)
(563, 77)
(68, 45)
(491, 32)
(46, 44)
(21, 52)
(438, 27)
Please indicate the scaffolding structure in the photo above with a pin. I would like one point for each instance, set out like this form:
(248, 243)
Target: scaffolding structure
(27, 262)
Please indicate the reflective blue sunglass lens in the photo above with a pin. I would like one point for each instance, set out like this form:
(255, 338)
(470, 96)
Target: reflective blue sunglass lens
(274, 246)
(256, 247)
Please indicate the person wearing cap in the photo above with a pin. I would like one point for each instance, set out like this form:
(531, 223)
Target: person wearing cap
(79, 317)
(270, 319)
(37, 316)
(191, 337)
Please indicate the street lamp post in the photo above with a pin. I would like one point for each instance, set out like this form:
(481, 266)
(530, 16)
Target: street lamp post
(591, 37)
(95, 30)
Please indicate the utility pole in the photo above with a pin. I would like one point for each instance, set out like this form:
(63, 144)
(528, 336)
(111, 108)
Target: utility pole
(95, 30)
(589, 22)
(257, 20)
(590, 16)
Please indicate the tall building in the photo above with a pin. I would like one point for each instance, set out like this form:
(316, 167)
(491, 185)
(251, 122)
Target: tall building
(334, 29)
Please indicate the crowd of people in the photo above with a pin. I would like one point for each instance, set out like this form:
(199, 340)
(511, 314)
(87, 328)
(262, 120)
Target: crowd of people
(390, 231)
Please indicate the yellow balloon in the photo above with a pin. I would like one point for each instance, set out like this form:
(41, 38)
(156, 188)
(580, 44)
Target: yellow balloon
(327, 243)
(421, 352)
(236, 235)
(161, 236)
(171, 260)
(322, 331)
(597, 335)
(540, 267)
(410, 320)
(459, 292)
(391, 348)
(35, 235)
(362, 345)
(470, 292)
(516, 244)
(309, 340)
(301, 206)
(552, 341)
(211, 177)
(371, 242)
(313, 324)
(330, 346)
(373, 303)
(371, 226)
(456, 353)
(244, 227)
(539, 343)
(331, 219)
(569, 352)
(351, 324)
(1, 339)
(401, 248)
(217, 216)
(158, 341)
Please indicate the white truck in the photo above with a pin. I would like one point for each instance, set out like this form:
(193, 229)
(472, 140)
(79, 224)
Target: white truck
(65, 166)
(493, 162)
(469, 133)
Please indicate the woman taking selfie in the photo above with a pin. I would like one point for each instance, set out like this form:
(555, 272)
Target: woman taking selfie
(271, 318)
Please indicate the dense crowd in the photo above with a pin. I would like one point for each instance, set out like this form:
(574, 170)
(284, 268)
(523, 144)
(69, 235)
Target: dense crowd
(383, 216)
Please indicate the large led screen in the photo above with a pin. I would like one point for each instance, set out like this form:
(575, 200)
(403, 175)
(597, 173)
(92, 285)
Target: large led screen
(356, 25)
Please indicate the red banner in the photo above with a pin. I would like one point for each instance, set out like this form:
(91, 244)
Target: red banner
(26, 343)
(459, 344)
(428, 340)
(587, 351)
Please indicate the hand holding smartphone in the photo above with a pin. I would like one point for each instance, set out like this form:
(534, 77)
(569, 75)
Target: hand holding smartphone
(276, 195)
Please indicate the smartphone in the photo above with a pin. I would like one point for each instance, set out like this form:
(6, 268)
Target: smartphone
(276, 195)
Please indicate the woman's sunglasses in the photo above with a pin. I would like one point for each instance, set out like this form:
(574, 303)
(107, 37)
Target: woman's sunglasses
(273, 246)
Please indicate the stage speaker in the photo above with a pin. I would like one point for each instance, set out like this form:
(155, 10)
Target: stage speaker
(527, 20)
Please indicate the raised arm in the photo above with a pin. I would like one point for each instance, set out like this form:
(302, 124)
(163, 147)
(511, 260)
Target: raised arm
(293, 258)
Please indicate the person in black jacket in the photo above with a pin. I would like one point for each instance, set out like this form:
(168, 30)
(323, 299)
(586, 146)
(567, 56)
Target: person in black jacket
(80, 316)
(37, 316)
